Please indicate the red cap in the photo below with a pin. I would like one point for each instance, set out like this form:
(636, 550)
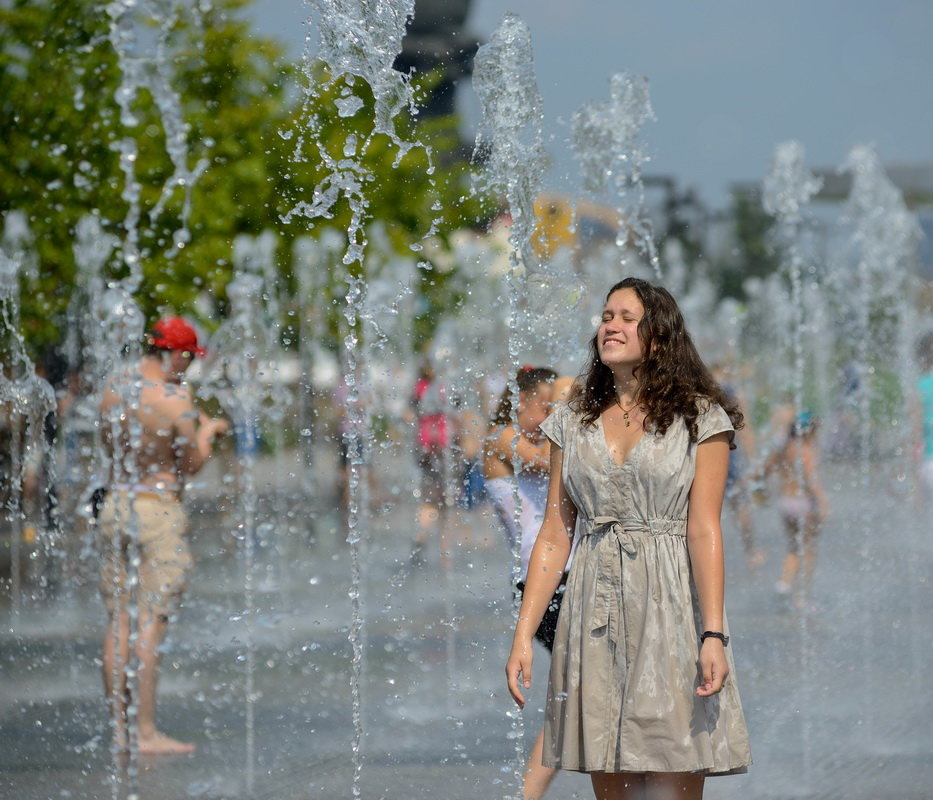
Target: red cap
(173, 333)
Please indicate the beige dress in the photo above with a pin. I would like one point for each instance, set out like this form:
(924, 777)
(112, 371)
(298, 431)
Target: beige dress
(624, 669)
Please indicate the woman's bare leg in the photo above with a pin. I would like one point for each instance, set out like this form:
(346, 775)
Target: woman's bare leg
(537, 776)
(674, 786)
(618, 785)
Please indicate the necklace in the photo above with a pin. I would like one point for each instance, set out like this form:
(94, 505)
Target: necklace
(625, 412)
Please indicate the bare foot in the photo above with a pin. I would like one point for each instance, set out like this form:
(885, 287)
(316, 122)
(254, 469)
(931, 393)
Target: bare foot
(160, 744)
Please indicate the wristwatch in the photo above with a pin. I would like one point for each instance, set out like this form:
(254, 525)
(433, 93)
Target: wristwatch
(715, 635)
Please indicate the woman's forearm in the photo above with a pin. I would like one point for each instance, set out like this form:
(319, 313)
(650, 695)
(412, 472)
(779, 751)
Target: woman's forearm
(550, 554)
(545, 568)
(706, 562)
(704, 529)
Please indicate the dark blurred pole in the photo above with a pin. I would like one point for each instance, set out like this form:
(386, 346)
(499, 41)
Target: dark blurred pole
(436, 39)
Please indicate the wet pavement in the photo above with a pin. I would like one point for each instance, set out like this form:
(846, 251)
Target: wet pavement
(837, 698)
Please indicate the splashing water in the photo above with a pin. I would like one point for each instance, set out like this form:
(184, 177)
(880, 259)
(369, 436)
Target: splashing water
(788, 189)
(239, 351)
(378, 313)
(257, 256)
(357, 40)
(608, 145)
(87, 313)
(93, 248)
(789, 186)
(310, 258)
(122, 322)
(26, 398)
(362, 38)
(882, 240)
(152, 72)
(509, 143)
(509, 139)
(883, 236)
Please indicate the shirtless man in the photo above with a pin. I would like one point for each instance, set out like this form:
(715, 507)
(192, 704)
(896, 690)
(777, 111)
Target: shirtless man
(156, 438)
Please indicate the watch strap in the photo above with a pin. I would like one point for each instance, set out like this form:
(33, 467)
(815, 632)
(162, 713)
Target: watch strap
(715, 635)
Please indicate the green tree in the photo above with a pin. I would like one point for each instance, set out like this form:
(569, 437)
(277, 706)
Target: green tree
(58, 160)
(240, 100)
(56, 118)
(425, 192)
(755, 255)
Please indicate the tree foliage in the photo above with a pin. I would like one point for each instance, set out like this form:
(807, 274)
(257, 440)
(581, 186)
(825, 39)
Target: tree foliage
(756, 254)
(245, 112)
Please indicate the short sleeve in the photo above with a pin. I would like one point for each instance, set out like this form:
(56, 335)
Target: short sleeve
(554, 426)
(714, 420)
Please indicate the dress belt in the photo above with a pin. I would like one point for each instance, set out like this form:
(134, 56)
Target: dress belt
(616, 551)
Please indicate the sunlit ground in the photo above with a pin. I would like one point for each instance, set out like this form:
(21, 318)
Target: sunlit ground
(837, 699)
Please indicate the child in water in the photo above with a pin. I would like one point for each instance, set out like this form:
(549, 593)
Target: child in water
(801, 502)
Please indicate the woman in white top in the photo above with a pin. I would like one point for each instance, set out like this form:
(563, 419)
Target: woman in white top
(515, 467)
(517, 452)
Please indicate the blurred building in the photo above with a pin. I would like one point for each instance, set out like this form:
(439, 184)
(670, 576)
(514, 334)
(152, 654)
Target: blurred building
(915, 183)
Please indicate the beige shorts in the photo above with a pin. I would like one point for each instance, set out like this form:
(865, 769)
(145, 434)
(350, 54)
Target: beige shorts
(164, 556)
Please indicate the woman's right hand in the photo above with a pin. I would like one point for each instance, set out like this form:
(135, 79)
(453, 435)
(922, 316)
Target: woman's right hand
(518, 670)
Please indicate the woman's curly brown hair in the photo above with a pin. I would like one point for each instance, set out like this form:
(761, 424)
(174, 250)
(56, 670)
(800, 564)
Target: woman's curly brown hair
(672, 380)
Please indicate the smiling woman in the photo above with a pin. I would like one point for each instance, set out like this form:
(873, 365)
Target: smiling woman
(638, 469)
(617, 340)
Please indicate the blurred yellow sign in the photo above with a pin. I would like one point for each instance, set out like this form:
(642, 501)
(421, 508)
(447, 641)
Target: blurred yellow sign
(559, 224)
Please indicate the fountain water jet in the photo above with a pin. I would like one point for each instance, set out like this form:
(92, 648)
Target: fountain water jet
(510, 146)
(696, 301)
(25, 398)
(122, 321)
(262, 317)
(607, 143)
(883, 238)
(311, 259)
(788, 189)
(356, 40)
(238, 352)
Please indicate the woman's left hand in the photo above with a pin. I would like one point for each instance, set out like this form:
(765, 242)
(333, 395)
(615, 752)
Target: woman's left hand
(713, 667)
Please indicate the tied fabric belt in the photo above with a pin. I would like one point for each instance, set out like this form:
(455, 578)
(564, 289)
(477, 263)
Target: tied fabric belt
(618, 567)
